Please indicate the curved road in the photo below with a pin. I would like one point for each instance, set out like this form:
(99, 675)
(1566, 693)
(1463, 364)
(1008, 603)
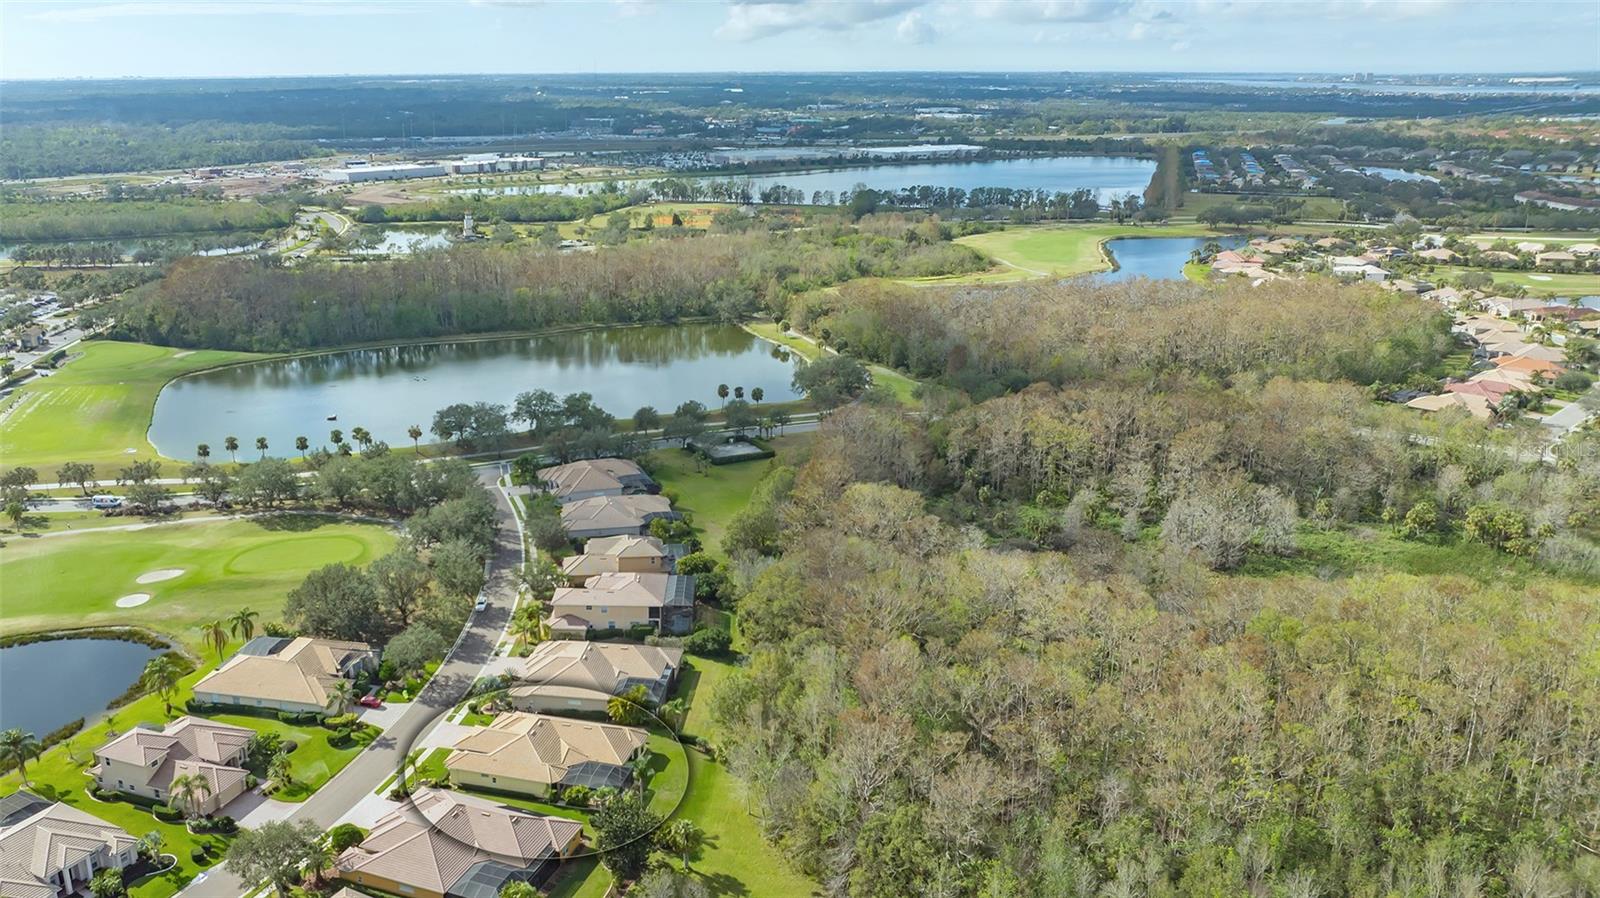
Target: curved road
(473, 649)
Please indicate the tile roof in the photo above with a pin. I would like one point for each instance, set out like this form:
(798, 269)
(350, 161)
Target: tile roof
(55, 837)
(300, 672)
(594, 474)
(606, 512)
(187, 746)
(542, 749)
(573, 669)
(627, 589)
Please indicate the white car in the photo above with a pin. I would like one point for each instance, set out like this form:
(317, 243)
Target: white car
(481, 604)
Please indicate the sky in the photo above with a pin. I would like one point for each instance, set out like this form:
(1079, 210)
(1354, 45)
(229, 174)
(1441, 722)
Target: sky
(246, 38)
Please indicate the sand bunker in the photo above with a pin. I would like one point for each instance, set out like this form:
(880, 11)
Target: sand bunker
(157, 576)
(134, 600)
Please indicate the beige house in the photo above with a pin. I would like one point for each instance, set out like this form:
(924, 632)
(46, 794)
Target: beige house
(614, 515)
(1477, 406)
(533, 754)
(1439, 254)
(144, 761)
(621, 601)
(565, 675)
(1555, 259)
(49, 849)
(283, 674)
(618, 555)
(596, 477)
(447, 845)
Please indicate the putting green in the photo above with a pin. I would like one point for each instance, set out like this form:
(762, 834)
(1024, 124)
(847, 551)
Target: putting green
(75, 581)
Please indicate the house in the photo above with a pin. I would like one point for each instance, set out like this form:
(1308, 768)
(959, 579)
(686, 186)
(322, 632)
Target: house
(1505, 306)
(1330, 243)
(1440, 255)
(596, 477)
(1530, 246)
(1494, 391)
(614, 515)
(1498, 257)
(1528, 366)
(31, 338)
(534, 754)
(1555, 259)
(664, 602)
(564, 675)
(49, 849)
(1477, 406)
(145, 760)
(1541, 352)
(1360, 272)
(620, 554)
(446, 845)
(296, 675)
(1584, 249)
(1235, 258)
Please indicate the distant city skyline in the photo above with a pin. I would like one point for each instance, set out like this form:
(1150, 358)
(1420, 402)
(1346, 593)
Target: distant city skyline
(289, 38)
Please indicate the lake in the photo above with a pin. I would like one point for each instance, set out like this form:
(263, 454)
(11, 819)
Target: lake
(45, 685)
(388, 389)
(1110, 177)
(406, 240)
(1155, 257)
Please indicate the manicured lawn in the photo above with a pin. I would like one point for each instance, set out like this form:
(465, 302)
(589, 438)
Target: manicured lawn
(736, 860)
(582, 878)
(1059, 250)
(314, 762)
(715, 495)
(74, 581)
(96, 407)
(1545, 283)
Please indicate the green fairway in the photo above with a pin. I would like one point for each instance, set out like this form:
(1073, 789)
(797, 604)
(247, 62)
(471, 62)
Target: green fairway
(898, 384)
(97, 407)
(1539, 283)
(1057, 250)
(713, 496)
(75, 581)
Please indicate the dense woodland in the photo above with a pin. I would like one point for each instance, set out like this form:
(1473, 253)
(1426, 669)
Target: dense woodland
(258, 305)
(31, 220)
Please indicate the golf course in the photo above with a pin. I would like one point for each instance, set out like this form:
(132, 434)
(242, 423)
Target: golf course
(96, 408)
(1056, 251)
(221, 566)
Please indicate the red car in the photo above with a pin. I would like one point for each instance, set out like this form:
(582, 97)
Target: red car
(369, 701)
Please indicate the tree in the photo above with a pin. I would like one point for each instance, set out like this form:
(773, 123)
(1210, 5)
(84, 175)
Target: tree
(76, 472)
(415, 433)
(18, 747)
(782, 419)
(318, 858)
(682, 838)
(722, 392)
(210, 482)
(243, 624)
(151, 843)
(646, 418)
(623, 826)
(301, 445)
(337, 601)
(457, 567)
(343, 836)
(202, 451)
(336, 436)
(831, 380)
(416, 645)
(665, 882)
(274, 852)
(688, 421)
(216, 636)
(518, 889)
(268, 483)
(539, 409)
(16, 511)
(189, 791)
(757, 394)
(19, 477)
(108, 884)
(339, 481)
(232, 445)
(161, 676)
(148, 496)
(261, 444)
(628, 708)
(739, 416)
(341, 695)
(673, 712)
(280, 770)
(402, 580)
(738, 392)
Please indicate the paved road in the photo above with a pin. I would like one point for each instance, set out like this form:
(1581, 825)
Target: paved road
(449, 685)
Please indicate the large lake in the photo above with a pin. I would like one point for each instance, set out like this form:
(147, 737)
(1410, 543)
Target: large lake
(386, 390)
(1155, 257)
(1110, 177)
(44, 685)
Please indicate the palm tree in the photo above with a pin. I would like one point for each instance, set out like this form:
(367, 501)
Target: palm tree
(151, 843)
(340, 697)
(243, 623)
(757, 394)
(408, 766)
(336, 435)
(683, 838)
(415, 433)
(232, 445)
(362, 436)
(280, 772)
(261, 443)
(19, 748)
(216, 636)
(738, 392)
(318, 858)
(627, 708)
(780, 418)
(722, 393)
(188, 791)
(672, 713)
(108, 884)
(203, 451)
(161, 675)
(301, 444)
(639, 768)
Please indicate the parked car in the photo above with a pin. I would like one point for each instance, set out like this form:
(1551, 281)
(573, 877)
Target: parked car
(482, 603)
(106, 502)
(369, 701)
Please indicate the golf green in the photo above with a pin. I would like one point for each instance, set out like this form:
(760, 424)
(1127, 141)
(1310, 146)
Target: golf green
(75, 581)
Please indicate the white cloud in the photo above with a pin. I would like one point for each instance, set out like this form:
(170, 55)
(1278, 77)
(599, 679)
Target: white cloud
(914, 29)
(754, 19)
(1031, 12)
(155, 8)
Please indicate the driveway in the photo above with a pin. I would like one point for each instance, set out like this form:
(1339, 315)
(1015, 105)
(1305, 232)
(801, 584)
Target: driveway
(386, 716)
(253, 809)
(354, 785)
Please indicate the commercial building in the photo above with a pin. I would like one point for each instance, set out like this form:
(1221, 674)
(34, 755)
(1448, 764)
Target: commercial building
(398, 172)
(494, 163)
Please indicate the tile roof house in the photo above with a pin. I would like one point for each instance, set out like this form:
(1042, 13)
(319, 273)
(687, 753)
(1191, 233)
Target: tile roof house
(285, 674)
(568, 675)
(1555, 259)
(447, 845)
(144, 761)
(622, 601)
(620, 554)
(49, 849)
(614, 515)
(596, 477)
(1438, 254)
(1529, 366)
(533, 754)
(1477, 406)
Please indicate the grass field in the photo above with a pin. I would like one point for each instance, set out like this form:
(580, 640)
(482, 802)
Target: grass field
(1321, 208)
(898, 384)
(96, 407)
(74, 581)
(1537, 282)
(714, 496)
(1055, 250)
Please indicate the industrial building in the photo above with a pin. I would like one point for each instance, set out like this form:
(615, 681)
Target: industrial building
(492, 163)
(356, 174)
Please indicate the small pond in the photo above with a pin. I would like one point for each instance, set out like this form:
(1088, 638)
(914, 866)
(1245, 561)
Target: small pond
(405, 240)
(44, 685)
(1156, 257)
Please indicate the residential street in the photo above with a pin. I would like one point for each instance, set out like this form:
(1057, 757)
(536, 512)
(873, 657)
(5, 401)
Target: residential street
(449, 685)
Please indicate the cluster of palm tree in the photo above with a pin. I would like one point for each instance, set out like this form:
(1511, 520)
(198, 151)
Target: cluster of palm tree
(189, 792)
(242, 626)
(18, 747)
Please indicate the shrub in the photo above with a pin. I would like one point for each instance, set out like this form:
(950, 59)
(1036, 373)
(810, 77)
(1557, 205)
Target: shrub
(166, 813)
(339, 722)
(289, 745)
(198, 854)
(708, 642)
(345, 835)
(226, 824)
(577, 796)
(1575, 381)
